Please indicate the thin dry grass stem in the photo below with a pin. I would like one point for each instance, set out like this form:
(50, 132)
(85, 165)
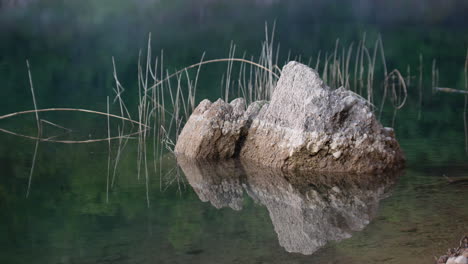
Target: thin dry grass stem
(39, 130)
(213, 61)
(156, 116)
(174, 104)
(339, 75)
(122, 142)
(402, 85)
(374, 58)
(145, 156)
(221, 86)
(174, 175)
(164, 177)
(117, 158)
(147, 183)
(232, 51)
(140, 115)
(241, 81)
(119, 90)
(394, 95)
(465, 121)
(69, 110)
(450, 90)
(185, 101)
(161, 119)
(148, 62)
(342, 68)
(348, 58)
(180, 105)
(370, 69)
(361, 64)
(180, 179)
(246, 82)
(334, 66)
(192, 97)
(394, 80)
(277, 57)
(317, 64)
(129, 136)
(168, 179)
(251, 84)
(109, 152)
(55, 125)
(288, 58)
(269, 57)
(385, 83)
(146, 109)
(33, 165)
(155, 134)
(382, 55)
(72, 110)
(325, 68)
(56, 136)
(397, 99)
(356, 64)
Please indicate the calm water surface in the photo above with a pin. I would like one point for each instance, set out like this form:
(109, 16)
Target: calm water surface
(222, 213)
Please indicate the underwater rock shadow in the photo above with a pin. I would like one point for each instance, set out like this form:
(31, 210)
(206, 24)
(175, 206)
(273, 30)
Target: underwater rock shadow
(307, 211)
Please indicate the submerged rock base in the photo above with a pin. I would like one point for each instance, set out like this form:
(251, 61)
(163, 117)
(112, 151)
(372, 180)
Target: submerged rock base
(306, 126)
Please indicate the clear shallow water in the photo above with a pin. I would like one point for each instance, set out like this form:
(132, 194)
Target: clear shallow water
(66, 218)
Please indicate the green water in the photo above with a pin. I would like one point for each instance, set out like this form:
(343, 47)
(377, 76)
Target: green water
(66, 217)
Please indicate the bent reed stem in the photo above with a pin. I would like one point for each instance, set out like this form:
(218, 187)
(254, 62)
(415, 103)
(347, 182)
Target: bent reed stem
(213, 61)
(71, 109)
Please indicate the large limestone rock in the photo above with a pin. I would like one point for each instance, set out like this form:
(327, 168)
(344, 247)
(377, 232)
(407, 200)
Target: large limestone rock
(306, 126)
(213, 130)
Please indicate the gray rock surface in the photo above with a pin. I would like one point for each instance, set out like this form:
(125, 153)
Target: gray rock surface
(213, 130)
(309, 126)
(306, 126)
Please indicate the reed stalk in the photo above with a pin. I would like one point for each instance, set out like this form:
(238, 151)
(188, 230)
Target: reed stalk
(33, 165)
(465, 121)
(109, 152)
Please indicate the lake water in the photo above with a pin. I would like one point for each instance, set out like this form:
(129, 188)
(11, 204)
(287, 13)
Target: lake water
(69, 211)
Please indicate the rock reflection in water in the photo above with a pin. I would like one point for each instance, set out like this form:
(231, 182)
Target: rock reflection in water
(306, 214)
